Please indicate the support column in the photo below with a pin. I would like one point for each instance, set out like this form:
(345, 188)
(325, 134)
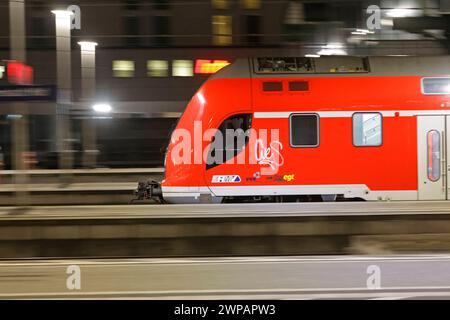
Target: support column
(88, 90)
(64, 81)
(20, 143)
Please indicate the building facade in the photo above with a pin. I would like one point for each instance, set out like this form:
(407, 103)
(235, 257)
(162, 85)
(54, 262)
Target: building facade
(149, 51)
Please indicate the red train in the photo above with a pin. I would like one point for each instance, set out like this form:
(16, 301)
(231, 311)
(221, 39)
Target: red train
(325, 128)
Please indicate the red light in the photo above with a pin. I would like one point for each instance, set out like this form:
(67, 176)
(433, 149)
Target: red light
(209, 66)
(19, 73)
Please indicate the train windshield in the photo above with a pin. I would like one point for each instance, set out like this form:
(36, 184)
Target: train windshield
(229, 140)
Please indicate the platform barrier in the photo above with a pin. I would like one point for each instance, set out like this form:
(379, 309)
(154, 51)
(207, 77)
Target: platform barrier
(225, 230)
(75, 187)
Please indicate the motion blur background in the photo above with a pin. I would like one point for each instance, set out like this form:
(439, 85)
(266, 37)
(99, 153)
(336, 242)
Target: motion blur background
(148, 63)
(90, 92)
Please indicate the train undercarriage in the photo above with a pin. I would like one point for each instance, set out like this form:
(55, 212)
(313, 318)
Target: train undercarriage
(152, 190)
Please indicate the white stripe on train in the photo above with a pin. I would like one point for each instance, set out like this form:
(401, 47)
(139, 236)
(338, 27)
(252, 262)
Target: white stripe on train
(343, 114)
(348, 190)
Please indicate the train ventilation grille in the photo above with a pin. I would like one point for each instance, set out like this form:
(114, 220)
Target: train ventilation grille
(272, 86)
(298, 86)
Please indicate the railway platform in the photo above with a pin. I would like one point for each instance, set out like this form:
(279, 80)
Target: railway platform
(224, 230)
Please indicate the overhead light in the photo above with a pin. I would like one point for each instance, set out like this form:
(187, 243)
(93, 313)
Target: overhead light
(332, 49)
(102, 117)
(333, 46)
(400, 13)
(364, 31)
(387, 22)
(13, 116)
(62, 13)
(332, 52)
(87, 45)
(102, 107)
(312, 56)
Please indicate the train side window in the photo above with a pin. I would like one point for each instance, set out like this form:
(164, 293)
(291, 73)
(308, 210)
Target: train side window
(304, 130)
(433, 155)
(230, 139)
(436, 86)
(367, 129)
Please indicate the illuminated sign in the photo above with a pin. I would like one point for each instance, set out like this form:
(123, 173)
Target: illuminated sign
(209, 66)
(15, 73)
(27, 93)
(19, 73)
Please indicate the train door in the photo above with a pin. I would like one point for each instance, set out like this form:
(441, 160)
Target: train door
(230, 140)
(432, 157)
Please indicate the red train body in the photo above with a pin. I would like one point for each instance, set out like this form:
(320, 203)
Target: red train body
(337, 127)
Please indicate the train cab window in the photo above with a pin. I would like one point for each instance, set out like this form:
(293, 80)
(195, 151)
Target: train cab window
(367, 129)
(324, 64)
(304, 130)
(436, 85)
(230, 139)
